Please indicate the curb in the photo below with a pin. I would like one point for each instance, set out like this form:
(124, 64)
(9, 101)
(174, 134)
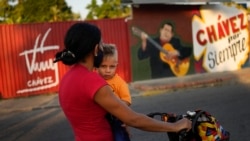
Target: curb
(164, 88)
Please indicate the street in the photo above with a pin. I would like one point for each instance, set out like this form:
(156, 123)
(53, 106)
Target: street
(228, 103)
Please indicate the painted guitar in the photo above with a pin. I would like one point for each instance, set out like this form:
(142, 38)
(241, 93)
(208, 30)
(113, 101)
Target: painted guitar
(178, 67)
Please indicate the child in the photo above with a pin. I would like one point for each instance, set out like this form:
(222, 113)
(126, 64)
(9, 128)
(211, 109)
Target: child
(107, 70)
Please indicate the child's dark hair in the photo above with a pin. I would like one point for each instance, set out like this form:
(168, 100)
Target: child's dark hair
(109, 49)
(79, 41)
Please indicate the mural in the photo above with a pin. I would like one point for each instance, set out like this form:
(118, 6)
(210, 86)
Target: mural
(193, 39)
(165, 48)
(220, 37)
(167, 56)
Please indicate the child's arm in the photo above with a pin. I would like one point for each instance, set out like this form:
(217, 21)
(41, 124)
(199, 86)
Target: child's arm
(124, 93)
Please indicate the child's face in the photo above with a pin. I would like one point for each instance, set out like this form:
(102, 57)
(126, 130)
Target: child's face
(108, 66)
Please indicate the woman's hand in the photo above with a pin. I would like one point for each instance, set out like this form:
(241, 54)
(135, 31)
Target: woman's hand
(184, 124)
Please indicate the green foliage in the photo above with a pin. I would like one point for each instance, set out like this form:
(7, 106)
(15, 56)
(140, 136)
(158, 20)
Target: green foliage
(30, 11)
(107, 10)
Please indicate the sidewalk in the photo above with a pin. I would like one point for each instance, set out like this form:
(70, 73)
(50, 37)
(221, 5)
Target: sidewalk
(156, 86)
(29, 103)
(137, 88)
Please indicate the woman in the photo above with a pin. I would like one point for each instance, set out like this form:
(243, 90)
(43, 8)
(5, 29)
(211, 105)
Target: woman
(85, 96)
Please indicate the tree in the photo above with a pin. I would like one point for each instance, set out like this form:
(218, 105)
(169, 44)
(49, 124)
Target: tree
(30, 11)
(107, 10)
(6, 11)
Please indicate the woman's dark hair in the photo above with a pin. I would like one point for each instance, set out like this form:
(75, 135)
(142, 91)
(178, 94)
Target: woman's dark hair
(80, 40)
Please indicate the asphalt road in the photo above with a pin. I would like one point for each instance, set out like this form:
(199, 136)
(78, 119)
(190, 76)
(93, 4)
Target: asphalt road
(228, 103)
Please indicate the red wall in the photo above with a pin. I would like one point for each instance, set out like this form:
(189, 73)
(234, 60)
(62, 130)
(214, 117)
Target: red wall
(27, 52)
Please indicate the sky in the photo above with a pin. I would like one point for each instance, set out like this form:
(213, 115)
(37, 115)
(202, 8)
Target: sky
(78, 6)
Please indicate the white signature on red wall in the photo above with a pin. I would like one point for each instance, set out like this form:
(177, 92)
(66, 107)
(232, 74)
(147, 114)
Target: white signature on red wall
(33, 65)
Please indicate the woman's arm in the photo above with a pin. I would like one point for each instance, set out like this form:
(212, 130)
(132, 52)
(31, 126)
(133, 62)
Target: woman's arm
(105, 98)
